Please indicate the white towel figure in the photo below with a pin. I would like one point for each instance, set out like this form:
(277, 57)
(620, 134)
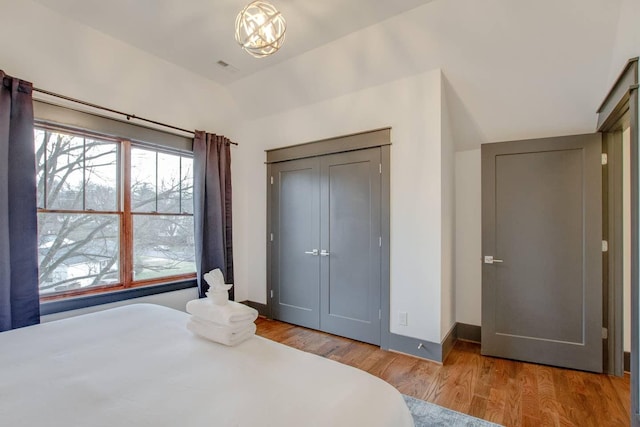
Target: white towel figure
(218, 290)
(221, 334)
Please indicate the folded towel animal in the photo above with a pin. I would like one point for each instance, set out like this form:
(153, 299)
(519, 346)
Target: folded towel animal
(220, 334)
(231, 313)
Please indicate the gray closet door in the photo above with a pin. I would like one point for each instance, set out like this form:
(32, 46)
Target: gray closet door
(541, 223)
(350, 248)
(325, 264)
(295, 261)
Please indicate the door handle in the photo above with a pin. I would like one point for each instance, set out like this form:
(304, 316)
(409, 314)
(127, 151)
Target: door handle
(324, 253)
(488, 259)
(313, 252)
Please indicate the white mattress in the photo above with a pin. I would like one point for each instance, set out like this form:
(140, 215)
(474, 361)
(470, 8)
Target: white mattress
(139, 366)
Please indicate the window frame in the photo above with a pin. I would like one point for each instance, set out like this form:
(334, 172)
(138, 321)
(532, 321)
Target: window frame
(126, 216)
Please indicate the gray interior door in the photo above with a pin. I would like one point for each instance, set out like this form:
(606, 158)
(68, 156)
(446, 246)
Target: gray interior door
(295, 263)
(541, 223)
(350, 275)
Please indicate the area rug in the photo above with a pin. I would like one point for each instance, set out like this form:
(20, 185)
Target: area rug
(427, 414)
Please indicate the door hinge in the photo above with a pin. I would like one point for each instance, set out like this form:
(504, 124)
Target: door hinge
(380, 314)
(605, 333)
(605, 246)
(271, 237)
(380, 167)
(605, 159)
(271, 180)
(271, 293)
(380, 241)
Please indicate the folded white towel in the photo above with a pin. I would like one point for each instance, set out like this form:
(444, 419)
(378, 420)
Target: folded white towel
(220, 334)
(233, 329)
(231, 313)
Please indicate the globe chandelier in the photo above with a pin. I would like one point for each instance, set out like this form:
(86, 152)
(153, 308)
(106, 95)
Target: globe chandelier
(260, 29)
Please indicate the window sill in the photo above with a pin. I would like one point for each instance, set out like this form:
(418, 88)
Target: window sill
(67, 304)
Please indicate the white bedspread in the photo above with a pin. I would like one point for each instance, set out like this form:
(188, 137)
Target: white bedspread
(139, 366)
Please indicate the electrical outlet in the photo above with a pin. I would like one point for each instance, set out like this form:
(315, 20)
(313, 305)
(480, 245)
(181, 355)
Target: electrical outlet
(403, 318)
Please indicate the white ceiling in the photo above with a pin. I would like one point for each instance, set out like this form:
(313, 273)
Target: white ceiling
(196, 34)
(513, 69)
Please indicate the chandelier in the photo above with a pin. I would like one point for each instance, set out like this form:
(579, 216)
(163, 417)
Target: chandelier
(260, 29)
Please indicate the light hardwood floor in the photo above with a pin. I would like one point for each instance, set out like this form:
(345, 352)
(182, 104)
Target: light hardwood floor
(503, 391)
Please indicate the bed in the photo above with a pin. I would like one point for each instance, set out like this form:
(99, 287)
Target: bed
(138, 365)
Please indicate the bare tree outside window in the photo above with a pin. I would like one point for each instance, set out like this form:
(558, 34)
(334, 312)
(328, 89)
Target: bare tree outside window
(80, 213)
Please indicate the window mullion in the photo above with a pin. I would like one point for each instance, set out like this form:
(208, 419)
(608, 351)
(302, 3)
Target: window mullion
(84, 174)
(126, 233)
(45, 175)
(156, 210)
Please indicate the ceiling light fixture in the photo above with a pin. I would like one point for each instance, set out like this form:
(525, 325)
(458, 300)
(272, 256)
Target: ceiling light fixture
(260, 29)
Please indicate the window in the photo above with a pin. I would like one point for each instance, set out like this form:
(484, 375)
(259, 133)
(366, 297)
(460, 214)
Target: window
(111, 214)
(162, 211)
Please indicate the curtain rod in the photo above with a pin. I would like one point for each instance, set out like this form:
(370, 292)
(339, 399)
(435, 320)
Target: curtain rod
(128, 116)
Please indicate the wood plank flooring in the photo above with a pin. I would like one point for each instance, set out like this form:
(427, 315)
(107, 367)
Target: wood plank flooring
(502, 391)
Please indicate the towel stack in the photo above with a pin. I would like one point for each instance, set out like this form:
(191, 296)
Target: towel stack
(218, 319)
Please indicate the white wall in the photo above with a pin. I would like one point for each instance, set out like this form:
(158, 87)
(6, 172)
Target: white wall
(412, 107)
(627, 41)
(448, 315)
(468, 238)
(63, 56)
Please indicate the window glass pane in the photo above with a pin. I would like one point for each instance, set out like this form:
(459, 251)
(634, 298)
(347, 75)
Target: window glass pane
(77, 251)
(143, 180)
(38, 138)
(168, 183)
(162, 246)
(101, 159)
(187, 185)
(64, 171)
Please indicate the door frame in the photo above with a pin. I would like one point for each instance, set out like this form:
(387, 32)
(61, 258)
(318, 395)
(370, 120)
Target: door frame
(377, 138)
(612, 259)
(622, 99)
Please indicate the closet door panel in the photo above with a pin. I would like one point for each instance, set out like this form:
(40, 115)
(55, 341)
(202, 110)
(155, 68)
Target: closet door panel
(296, 229)
(350, 251)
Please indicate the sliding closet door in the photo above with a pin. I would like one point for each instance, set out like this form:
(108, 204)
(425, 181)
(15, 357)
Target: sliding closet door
(350, 256)
(295, 263)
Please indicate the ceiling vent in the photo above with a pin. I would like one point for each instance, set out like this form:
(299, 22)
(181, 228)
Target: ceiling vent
(228, 67)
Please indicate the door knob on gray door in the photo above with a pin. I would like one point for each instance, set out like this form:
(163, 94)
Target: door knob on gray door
(313, 252)
(488, 259)
(324, 253)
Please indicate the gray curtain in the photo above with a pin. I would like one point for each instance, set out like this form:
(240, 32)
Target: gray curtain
(212, 207)
(19, 299)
